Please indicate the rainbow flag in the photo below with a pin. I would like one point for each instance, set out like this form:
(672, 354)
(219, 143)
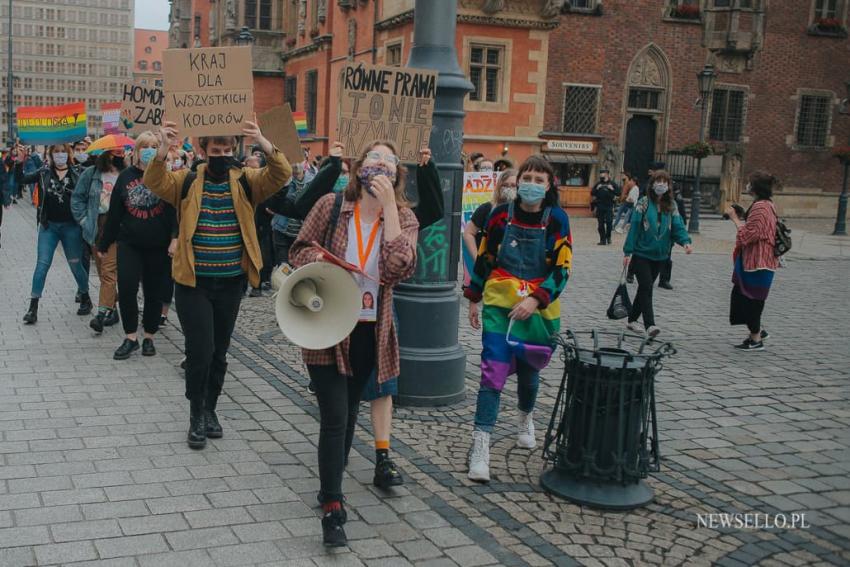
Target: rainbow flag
(300, 119)
(52, 124)
(111, 112)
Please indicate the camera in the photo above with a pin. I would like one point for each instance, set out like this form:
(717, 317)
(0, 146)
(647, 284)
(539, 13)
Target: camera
(739, 210)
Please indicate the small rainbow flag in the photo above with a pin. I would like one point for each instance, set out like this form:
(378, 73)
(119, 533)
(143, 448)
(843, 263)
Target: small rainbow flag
(111, 112)
(300, 119)
(52, 124)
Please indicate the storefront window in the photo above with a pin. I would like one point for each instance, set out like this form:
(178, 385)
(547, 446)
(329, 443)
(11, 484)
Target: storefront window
(573, 174)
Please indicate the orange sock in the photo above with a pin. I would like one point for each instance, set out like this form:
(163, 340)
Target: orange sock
(382, 445)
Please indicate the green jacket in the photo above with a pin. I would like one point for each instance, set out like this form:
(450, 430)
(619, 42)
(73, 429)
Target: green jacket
(652, 237)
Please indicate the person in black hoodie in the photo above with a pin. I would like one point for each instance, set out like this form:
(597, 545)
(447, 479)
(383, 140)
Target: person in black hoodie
(144, 226)
(55, 183)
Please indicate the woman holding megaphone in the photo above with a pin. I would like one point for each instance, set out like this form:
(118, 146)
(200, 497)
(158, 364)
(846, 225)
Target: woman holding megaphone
(377, 231)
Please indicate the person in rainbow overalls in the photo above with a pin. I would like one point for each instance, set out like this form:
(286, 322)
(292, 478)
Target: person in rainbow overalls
(522, 268)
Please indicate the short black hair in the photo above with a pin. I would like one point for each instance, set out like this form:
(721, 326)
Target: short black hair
(762, 184)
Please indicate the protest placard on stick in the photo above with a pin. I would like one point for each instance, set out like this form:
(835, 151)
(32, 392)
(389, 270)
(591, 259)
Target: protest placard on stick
(208, 91)
(141, 107)
(386, 103)
(278, 126)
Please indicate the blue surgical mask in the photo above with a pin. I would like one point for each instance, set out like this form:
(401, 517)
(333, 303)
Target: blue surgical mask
(531, 193)
(341, 183)
(60, 159)
(146, 155)
(660, 188)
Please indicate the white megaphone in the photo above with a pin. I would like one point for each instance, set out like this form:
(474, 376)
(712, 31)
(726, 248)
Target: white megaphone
(317, 305)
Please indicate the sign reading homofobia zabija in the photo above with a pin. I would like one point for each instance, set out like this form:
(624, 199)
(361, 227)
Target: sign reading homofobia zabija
(208, 91)
(386, 103)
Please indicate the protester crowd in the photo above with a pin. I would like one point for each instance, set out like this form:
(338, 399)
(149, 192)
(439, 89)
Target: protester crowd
(205, 227)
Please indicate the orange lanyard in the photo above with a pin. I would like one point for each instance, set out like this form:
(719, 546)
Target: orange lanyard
(363, 255)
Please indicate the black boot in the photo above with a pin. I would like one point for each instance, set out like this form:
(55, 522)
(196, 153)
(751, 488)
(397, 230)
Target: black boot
(85, 305)
(386, 472)
(31, 315)
(111, 317)
(197, 436)
(97, 322)
(214, 430)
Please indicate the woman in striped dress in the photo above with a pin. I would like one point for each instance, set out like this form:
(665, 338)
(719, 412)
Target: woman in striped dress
(754, 260)
(522, 267)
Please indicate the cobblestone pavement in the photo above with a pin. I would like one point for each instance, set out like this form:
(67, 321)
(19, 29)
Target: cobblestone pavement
(95, 467)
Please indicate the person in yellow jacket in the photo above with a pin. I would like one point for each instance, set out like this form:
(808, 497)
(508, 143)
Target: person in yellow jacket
(217, 250)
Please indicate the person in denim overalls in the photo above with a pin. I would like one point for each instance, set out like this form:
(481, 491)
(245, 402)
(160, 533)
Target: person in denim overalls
(522, 268)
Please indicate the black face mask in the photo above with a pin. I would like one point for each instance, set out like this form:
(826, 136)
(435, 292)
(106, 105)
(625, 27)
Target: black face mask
(118, 162)
(218, 166)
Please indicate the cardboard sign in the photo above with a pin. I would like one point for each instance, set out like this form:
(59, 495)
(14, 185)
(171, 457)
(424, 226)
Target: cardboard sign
(141, 108)
(52, 124)
(478, 187)
(278, 126)
(386, 103)
(209, 91)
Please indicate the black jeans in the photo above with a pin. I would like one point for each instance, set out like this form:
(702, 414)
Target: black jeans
(208, 314)
(604, 223)
(282, 243)
(646, 271)
(339, 404)
(150, 266)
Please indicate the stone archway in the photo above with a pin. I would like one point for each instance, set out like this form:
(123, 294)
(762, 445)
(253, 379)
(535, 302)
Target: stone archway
(648, 93)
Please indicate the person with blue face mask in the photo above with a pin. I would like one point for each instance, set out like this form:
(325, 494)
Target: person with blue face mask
(144, 226)
(522, 267)
(656, 225)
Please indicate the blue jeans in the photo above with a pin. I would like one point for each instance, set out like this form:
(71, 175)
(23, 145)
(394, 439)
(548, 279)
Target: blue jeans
(71, 237)
(487, 410)
(625, 211)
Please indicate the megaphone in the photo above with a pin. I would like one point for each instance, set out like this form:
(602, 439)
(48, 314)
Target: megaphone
(317, 305)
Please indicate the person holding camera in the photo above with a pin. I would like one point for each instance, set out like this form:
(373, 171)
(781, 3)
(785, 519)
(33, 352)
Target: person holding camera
(604, 193)
(754, 259)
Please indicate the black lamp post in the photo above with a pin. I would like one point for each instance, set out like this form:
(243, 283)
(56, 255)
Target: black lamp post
(841, 218)
(10, 89)
(245, 37)
(706, 79)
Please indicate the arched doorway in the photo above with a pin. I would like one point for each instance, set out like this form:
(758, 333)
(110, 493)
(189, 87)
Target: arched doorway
(646, 106)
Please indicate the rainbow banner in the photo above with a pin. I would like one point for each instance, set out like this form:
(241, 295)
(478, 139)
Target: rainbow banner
(300, 119)
(52, 124)
(111, 112)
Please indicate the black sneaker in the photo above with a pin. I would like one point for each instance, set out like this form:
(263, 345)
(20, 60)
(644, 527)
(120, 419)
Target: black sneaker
(750, 344)
(97, 322)
(764, 335)
(267, 286)
(147, 348)
(127, 348)
(630, 279)
(333, 534)
(183, 364)
(111, 318)
(85, 305)
(256, 292)
(163, 321)
(311, 388)
(387, 475)
(665, 285)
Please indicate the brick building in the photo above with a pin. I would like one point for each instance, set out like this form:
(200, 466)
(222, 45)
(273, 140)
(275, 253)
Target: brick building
(622, 90)
(147, 62)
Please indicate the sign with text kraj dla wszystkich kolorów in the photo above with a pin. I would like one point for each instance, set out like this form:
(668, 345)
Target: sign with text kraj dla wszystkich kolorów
(386, 103)
(208, 91)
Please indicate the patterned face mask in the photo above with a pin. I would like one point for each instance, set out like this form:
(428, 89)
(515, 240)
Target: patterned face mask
(368, 172)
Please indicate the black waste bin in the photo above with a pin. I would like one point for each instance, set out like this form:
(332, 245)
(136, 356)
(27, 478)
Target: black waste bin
(602, 438)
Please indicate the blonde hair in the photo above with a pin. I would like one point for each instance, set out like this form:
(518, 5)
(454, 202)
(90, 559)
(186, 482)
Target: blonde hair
(496, 199)
(146, 138)
(355, 189)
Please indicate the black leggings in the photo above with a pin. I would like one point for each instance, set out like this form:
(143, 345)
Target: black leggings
(150, 266)
(339, 403)
(646, 271)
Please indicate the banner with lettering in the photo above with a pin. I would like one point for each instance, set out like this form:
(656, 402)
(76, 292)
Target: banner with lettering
(478, 187)
(386, 103)
(209, 91)
(141, 107)
(52, 124)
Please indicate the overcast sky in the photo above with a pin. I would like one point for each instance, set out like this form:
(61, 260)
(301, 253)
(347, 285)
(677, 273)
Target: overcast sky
(152, 14)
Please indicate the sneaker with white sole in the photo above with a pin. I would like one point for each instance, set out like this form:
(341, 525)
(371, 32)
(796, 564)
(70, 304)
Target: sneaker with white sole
(653, 331)
(525, 437)
(634, 327)
(750, 344)
(479, 457)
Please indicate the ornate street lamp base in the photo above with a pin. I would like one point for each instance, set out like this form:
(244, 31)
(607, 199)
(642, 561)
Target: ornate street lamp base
(604, 495)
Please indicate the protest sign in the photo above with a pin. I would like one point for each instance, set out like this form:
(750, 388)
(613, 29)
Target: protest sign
(386, 103)
(110, 115)
(52, 124)
(209, 91)
(278, 126)
(478, 187)
(141, 108)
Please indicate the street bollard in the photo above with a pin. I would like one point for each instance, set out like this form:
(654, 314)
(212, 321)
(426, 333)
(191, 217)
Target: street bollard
(602, 438)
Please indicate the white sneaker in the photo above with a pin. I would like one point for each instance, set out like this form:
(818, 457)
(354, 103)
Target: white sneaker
(653, 331)
(479, 458)
(525, 438)
(619, 230)
(634, 326)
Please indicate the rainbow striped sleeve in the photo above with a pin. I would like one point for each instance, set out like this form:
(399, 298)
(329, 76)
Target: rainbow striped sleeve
(560, 243)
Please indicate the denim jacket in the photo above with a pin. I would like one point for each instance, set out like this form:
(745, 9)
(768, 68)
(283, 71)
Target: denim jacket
(85, 202)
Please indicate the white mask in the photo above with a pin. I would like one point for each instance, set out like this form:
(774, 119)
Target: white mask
(177, 164)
